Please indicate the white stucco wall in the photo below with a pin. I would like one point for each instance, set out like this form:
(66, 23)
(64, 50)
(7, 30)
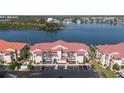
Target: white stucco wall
(98, 54)
(7, 58)
(107, 59)
(2, 56)
(32, 57)
(54, 58)
(122, 61)
(59, 54)
(61, 61)
(80, 59)
(38, 58)
(102, 59)
(117, 61)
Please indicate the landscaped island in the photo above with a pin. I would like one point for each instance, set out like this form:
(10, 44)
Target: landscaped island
(45, 26)
(29, 22)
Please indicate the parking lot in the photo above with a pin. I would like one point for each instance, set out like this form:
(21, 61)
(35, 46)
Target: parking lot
(4, 68)
(3, 72)
(64, 72)
(54, 72)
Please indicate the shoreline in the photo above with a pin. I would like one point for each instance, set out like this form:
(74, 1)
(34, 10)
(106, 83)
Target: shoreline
(45, 26)
(60, 28)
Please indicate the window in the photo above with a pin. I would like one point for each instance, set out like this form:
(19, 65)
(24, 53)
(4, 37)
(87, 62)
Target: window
(1, 56)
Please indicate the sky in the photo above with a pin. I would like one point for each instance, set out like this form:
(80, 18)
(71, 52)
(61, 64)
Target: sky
(60, 7)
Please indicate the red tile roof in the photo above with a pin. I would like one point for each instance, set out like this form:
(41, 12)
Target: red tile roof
(38, 52)
(69, 46)
(80, 52)
(4, 45)
(108, 49)
(55, 55)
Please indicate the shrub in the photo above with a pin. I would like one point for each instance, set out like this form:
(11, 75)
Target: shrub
(93, 66)
(116, 67)
(1, 62)
(30, 67)
(13, 65)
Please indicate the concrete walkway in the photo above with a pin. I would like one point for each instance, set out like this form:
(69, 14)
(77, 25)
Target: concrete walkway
(61, 64)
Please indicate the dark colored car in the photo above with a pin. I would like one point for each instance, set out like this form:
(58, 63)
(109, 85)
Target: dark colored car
(85, 68)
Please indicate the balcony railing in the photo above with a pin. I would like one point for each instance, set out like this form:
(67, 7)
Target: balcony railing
(71, 58)
(47, 58)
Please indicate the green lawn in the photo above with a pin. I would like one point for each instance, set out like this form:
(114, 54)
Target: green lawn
(104, 72)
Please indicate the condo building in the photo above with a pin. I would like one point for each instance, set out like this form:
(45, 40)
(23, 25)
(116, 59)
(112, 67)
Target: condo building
(111, 54)
(12, 51)
(59, 52)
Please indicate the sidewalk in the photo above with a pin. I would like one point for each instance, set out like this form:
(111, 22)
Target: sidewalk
(59, 64)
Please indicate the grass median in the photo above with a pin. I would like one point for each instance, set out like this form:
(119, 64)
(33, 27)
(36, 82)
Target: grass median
(104, 72)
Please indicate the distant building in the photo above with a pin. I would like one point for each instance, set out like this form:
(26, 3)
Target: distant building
(49, 19)
(2, 17)
(55, 21)
(78, 21)
(67, 21)
(11, 17)
(7, 18)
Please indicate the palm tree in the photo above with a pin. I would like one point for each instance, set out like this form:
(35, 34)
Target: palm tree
(92, 53)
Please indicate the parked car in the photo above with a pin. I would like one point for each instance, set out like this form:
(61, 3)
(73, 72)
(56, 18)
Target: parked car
(89, 67)
(56, 67)
(42, 69)
(118, 75)
(85, 67)
(121, 74)
(1, 65)
(66, 67)
(81, 67)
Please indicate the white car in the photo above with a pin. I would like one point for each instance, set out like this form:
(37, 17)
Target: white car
(121, 74)
(66, 67)
(56, 67)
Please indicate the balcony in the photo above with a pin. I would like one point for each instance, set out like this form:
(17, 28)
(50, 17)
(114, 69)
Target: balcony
(71, 58)
(47, 58)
